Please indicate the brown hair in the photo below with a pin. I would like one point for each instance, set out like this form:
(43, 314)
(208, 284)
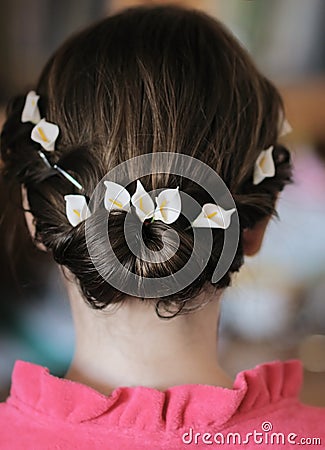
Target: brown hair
(148, 79)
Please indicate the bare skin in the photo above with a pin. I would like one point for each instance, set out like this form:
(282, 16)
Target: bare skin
(133, 347)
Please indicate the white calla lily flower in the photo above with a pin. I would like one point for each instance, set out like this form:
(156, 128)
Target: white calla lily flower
(213, 216)
(143, 203)
(286, 128)
(45, 133)
(76, 209)
(116, 196)
(31, 112)
(264, 166)
(168, 206)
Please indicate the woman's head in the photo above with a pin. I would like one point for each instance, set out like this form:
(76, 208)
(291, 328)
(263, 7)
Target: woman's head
(147, 80)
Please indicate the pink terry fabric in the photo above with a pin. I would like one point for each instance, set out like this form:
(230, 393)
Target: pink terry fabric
(261, 411)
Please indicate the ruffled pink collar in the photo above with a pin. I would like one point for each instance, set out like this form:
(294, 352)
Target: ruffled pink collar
(35, 389)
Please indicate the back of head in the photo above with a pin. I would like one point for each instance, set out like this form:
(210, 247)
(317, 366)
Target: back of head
(147, 80)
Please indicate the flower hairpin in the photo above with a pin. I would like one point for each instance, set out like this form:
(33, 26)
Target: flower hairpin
(44, 133)
(116, 197)
(284, 126)
(76, 208)
(31, 112)
(167, 209)
(213, 216)
(168, 202)
(285, 129)
(264, 166)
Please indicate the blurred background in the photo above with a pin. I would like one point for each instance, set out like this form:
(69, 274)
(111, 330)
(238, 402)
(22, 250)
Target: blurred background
(276, 307)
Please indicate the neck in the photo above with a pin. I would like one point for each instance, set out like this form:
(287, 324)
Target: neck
(131, 346)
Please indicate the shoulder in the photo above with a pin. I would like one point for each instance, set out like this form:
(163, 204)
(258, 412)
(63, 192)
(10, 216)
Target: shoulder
(44, 411)
(271, 406)
(13, 426)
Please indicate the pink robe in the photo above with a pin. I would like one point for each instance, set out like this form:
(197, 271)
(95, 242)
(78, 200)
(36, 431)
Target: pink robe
(44, 412)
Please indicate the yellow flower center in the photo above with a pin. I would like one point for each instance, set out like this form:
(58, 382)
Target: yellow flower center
(209, 216)
(262, 163)
(115, 202)
(141, 204)
(42, 134)
(163, 204)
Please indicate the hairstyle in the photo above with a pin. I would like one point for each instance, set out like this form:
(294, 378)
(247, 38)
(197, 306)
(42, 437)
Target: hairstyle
(148, 79)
